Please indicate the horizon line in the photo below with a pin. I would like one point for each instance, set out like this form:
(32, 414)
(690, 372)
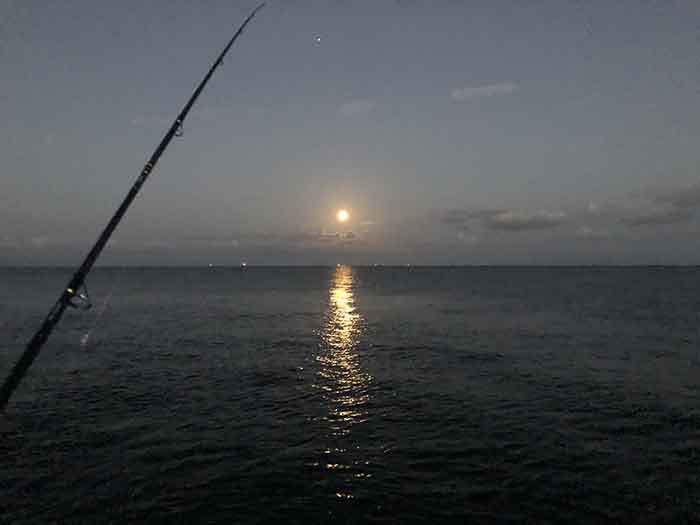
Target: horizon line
(377, 265)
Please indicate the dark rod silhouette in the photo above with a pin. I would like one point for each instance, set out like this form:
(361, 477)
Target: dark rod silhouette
(71, 291)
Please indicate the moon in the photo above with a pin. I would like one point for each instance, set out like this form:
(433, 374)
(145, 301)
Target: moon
(343, 215)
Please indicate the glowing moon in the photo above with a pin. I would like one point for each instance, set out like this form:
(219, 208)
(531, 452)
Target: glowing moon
(343, 215)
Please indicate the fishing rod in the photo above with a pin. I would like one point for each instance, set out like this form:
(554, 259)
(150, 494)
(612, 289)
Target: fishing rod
(75, 294)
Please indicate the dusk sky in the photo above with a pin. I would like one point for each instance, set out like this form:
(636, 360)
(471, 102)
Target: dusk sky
(454, 132)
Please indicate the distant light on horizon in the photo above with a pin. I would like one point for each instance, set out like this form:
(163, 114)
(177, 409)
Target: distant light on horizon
(343, 215)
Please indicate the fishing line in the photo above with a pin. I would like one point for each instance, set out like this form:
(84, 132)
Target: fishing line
(86, 337)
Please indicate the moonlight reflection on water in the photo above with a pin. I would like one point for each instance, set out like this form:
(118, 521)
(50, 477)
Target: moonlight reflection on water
(343, 384)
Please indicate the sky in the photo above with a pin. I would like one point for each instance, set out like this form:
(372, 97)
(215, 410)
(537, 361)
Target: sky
(454, 132)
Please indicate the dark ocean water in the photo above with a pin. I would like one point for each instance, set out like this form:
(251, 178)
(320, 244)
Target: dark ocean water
(349, 395)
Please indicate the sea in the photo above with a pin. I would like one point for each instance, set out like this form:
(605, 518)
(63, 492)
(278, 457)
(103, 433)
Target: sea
(355, 395)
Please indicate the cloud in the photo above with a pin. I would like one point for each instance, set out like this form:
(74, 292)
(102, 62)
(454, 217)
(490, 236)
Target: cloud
(157, 245)
(665, 207)
(468, 238)
(313, 237)
(513, 221)
(488, 90)
(586, 232)
(688, 197)
(324, 238)
(280, 238)
(589, 220)
(659, 216)
(357, 107)
(350, 238)
(504, 220)
(647, 208)
(367, 226)
(594, 208)
(7, 242)
(225, 243)
(39, 241)
(260, 237)
(462, 217)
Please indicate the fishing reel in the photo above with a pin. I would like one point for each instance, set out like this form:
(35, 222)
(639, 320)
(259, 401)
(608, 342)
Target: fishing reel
(80, 298)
